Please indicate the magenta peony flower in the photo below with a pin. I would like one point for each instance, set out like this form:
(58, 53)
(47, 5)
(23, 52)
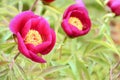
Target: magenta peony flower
(114, 5)
(76, 21)
(34, 35)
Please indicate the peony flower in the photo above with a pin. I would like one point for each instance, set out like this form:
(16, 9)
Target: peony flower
(114, 5)
(47, 1)
(76, 21)
(34, 35)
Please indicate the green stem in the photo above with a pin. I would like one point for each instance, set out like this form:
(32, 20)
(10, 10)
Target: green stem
(33, 5)
(15, 57)
(64, 40)
(13, 61)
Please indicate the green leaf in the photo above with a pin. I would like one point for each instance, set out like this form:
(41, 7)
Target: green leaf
(52, 69)
(98, 59)
(19, 72)
(6, 48)
(3, 72)
(84, 71)
(75, 70)
(100, 2)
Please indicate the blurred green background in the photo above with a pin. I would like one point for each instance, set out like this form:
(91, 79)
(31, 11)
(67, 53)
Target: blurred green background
(94, 56)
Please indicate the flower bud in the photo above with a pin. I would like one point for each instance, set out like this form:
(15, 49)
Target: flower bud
(114, 5)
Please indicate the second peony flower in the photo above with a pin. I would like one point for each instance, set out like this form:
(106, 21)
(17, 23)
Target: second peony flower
(76, 21)
(35, 38)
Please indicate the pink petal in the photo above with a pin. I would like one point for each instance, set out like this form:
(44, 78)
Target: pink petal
(39, 48)
(26, 29)
(48, 49)
(18, 22)
(21, 46)
(35, 22)
(44, 29)
(36, 58)
(66, 27)
(74, 7)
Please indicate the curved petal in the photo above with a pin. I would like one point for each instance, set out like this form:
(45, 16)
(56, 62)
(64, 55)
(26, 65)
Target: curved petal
(76, 32)
(44, 29)
(36, 58)
(26, 29)
(74, 7)
(18, 22)
(21, 46)
(35, 22)
(66, 27)
(39, 48)
(48, 49)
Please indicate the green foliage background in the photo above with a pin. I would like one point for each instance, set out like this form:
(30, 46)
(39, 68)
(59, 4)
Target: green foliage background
(89, 57)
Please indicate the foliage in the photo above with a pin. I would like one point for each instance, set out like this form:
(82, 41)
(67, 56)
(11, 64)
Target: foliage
(89, 57)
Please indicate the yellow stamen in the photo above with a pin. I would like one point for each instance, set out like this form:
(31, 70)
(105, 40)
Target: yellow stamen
(39, 54)
(33, 37)
(75, 22)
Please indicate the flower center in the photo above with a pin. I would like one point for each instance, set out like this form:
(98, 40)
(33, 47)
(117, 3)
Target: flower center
(39, 54)
(75, 22)
(33, 37)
